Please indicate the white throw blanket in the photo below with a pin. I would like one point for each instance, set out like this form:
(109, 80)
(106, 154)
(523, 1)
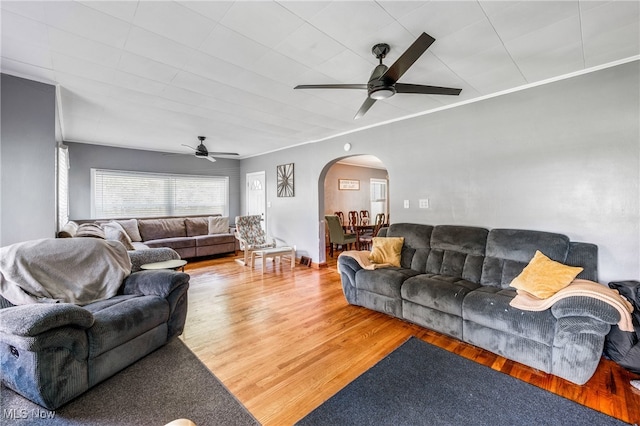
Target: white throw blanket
(579, 287)
(362, 257)
(70, 270)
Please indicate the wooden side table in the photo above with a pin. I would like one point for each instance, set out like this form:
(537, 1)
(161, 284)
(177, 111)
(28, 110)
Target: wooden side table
(167, 264)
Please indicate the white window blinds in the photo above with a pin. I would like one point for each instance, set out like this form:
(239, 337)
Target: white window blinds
(63, 185)
(136, 194)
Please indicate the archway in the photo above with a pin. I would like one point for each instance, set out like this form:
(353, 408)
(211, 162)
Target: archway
(357, 182)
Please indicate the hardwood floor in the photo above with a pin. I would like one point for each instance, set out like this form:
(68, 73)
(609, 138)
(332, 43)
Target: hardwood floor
(286, 341)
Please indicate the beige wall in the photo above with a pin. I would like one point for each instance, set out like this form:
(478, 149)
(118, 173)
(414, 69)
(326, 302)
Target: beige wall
(347, 200)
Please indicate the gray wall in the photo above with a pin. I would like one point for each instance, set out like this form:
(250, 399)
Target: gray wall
(27, 160)
(563, 157)
(84, 157)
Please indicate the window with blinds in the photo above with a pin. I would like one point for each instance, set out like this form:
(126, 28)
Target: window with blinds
(137, 194)
(378, 194)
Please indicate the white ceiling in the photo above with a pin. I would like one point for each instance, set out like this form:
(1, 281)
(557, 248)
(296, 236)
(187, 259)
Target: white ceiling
(156, 74)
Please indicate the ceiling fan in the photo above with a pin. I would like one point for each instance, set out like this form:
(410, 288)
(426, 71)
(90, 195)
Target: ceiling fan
(201, 151)
(383, 82)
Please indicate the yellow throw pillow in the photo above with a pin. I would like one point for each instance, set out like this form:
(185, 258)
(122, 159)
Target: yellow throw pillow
(544, 277)
(387, 250)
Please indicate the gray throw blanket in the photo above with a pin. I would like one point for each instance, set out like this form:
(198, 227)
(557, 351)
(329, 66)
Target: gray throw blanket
(69, 270)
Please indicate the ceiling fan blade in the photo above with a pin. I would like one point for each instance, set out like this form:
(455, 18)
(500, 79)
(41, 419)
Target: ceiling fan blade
(213, 160)
(332, 86)
(223, 153)
(404, 62)
(426, 90)
(368, 103)
(189, 147)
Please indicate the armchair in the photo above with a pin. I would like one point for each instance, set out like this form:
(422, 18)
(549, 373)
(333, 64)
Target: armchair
(53, 352)
(251, 236)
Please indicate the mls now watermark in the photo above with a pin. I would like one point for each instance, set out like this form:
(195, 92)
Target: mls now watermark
(23, 413)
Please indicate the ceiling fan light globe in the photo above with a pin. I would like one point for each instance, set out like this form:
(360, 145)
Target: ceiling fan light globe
(382, 93)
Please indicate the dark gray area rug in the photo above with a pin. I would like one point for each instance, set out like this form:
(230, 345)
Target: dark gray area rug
(421, 384)
(168, 384)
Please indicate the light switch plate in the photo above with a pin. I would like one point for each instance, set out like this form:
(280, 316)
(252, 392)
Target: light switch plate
(406, 204)
(423, 203)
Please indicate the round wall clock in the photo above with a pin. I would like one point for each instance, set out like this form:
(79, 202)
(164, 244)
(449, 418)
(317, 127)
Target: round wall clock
(285, 180)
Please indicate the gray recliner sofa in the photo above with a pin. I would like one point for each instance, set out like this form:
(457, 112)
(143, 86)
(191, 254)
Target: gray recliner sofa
(455, 280)
(51, 353)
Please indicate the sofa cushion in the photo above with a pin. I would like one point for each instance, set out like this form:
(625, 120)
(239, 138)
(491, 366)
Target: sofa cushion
(131, 228)
(384, 281)
(218, 225)
(442, 293)
(463, 239)
(91, 230)
(114, 231)
(123, 318)
(543, 277)
(155, 229)
(196, 226)
(416, 236)
(489, 307)
(456, 251)
(209, 240)
(174, 243)
(510, 250)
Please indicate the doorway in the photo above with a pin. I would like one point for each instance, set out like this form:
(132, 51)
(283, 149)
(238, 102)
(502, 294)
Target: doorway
(256, 197)
(353, 183)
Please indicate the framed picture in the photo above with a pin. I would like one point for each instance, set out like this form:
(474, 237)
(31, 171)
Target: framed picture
(349, 184)
(285, 180)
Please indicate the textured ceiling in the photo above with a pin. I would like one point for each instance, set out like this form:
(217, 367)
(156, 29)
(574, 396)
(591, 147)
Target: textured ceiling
(154, 75)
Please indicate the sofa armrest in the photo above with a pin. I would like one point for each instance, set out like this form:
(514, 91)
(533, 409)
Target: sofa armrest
(581, 327)
(170, 285)
(151, 255)
(582, 306)
(348, 267)
(34, 319)
(154, 282)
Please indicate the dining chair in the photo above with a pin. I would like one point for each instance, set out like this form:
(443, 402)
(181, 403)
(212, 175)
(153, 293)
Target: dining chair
(340, 216)
(354, 219)
(337, 235)
(365, 219)
(251, 235)
(365, 240)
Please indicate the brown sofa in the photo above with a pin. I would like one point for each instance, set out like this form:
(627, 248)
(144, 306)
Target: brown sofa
(191, 236)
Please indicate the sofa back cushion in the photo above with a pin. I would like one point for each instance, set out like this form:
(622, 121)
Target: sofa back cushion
(457, 251)
(131, 228)
(510, 250)
(586, 256)
(196, 226)
(416, 243)
(154, 229)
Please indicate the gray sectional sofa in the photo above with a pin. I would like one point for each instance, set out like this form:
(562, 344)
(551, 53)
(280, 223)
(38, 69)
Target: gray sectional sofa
(189, 236)
(455, 280)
